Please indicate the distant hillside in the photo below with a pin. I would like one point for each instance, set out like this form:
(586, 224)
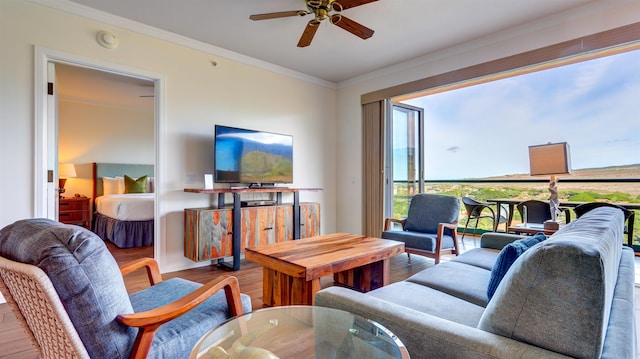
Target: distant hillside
(259, 166)
(626, 171)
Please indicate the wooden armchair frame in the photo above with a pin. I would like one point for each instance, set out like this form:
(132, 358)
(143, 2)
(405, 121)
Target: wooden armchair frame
(440, 232)
(27, 286)
(149, 321)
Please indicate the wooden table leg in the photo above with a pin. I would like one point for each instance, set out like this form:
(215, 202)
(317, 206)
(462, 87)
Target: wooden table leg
(368, 277)
(281, 289)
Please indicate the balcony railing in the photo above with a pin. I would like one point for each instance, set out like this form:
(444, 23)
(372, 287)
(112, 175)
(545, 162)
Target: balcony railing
(613, 190)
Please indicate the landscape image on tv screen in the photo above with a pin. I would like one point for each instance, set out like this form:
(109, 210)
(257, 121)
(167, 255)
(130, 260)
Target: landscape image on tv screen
(247, 156)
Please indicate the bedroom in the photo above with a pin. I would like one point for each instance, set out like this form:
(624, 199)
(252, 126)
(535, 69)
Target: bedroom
(108, 119)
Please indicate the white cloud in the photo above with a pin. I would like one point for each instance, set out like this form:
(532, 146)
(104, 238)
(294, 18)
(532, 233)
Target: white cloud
(594, 106)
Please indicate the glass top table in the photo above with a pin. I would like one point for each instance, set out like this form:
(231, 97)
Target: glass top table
(299, 332)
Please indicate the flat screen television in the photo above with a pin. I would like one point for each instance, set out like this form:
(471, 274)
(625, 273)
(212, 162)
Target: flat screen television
(255, 158)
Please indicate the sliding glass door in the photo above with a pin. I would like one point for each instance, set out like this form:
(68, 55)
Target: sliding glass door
(403, 164)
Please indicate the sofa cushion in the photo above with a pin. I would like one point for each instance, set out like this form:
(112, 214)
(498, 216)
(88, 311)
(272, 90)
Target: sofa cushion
(484, 258)
(418, 240)
(558, 294)
(430, 301)
(460, 280)
(427, 210)
(620, 341)
(85, 275)
(497, 240)
(507, 256)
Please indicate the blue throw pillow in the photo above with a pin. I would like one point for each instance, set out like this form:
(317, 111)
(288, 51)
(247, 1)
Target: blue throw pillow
(507, 256)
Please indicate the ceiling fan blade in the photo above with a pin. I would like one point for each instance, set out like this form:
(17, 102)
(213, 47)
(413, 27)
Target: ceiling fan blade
(353, 27)
(309, 33)
(275, 15)
(347, 4)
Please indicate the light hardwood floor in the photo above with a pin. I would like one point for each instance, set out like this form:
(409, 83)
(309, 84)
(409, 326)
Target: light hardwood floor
(15, 345)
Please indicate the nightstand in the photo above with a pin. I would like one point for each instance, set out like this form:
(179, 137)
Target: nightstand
(75, 210)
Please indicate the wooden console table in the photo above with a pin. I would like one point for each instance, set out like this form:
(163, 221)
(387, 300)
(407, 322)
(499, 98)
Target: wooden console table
(197, 248)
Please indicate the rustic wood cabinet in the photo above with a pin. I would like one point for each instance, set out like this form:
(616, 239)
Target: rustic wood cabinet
(309, 220)
(208, 232)
(215, 233)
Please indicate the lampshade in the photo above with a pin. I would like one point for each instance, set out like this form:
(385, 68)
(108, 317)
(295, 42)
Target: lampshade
(66, 170)
(550, 159)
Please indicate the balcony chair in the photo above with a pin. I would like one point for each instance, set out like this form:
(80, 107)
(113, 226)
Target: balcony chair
(537, 211)
(629, 216)
(68, 294)
(429, 228)
(475, 209)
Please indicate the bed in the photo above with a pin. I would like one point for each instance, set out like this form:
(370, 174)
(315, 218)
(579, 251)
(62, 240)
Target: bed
(125, 219)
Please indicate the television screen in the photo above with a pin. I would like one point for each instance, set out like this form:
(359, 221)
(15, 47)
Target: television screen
(252, 157)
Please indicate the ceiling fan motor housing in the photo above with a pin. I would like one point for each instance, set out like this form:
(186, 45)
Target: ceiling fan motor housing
(323, 8)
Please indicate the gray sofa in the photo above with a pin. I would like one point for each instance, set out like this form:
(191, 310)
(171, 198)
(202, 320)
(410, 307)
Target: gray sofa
(571, 295)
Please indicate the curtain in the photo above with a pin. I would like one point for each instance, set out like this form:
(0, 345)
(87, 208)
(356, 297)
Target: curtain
(373, 168)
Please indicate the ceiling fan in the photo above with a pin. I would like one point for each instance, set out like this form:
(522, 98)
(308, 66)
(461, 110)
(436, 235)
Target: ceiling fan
(323, 9)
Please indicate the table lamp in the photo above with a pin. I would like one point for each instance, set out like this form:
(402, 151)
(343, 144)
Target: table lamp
(551, 159)
(65, 170)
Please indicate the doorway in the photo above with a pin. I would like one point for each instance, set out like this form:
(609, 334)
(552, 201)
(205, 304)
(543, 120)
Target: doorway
(103, 117)
(148, 87)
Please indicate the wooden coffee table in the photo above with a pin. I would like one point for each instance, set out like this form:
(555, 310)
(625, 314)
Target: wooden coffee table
(292, 270)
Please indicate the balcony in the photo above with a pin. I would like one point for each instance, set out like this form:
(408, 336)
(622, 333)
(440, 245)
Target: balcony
(624, 191)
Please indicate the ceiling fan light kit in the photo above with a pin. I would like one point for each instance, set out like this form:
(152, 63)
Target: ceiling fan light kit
(323, 9)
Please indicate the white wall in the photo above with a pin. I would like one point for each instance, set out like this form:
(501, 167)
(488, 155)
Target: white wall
(325, 122)
(89, 132)
(198, 96)
(592, 18)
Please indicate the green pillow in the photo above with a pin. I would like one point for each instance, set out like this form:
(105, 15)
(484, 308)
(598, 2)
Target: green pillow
(138, 185)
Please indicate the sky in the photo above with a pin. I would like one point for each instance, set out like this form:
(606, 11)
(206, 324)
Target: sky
(485, 130)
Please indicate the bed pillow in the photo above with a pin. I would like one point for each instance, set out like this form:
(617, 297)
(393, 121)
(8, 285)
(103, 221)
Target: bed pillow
(150, 185)
(507, 257)
(110, 186)
(120, 184)
(138, 185)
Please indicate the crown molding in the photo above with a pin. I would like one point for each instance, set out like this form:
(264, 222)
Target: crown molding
(130, 25)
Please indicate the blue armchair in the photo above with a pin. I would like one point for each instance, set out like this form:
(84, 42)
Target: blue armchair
(430, 227)
(68, 292)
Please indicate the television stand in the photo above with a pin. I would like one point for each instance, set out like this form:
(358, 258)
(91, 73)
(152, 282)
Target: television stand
(262, 185)
(226, 229)
(256, 203)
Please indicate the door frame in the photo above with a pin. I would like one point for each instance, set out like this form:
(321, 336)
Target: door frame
(43, 147)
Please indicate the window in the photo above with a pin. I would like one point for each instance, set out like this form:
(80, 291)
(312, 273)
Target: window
(603, 44)
(484, 130)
